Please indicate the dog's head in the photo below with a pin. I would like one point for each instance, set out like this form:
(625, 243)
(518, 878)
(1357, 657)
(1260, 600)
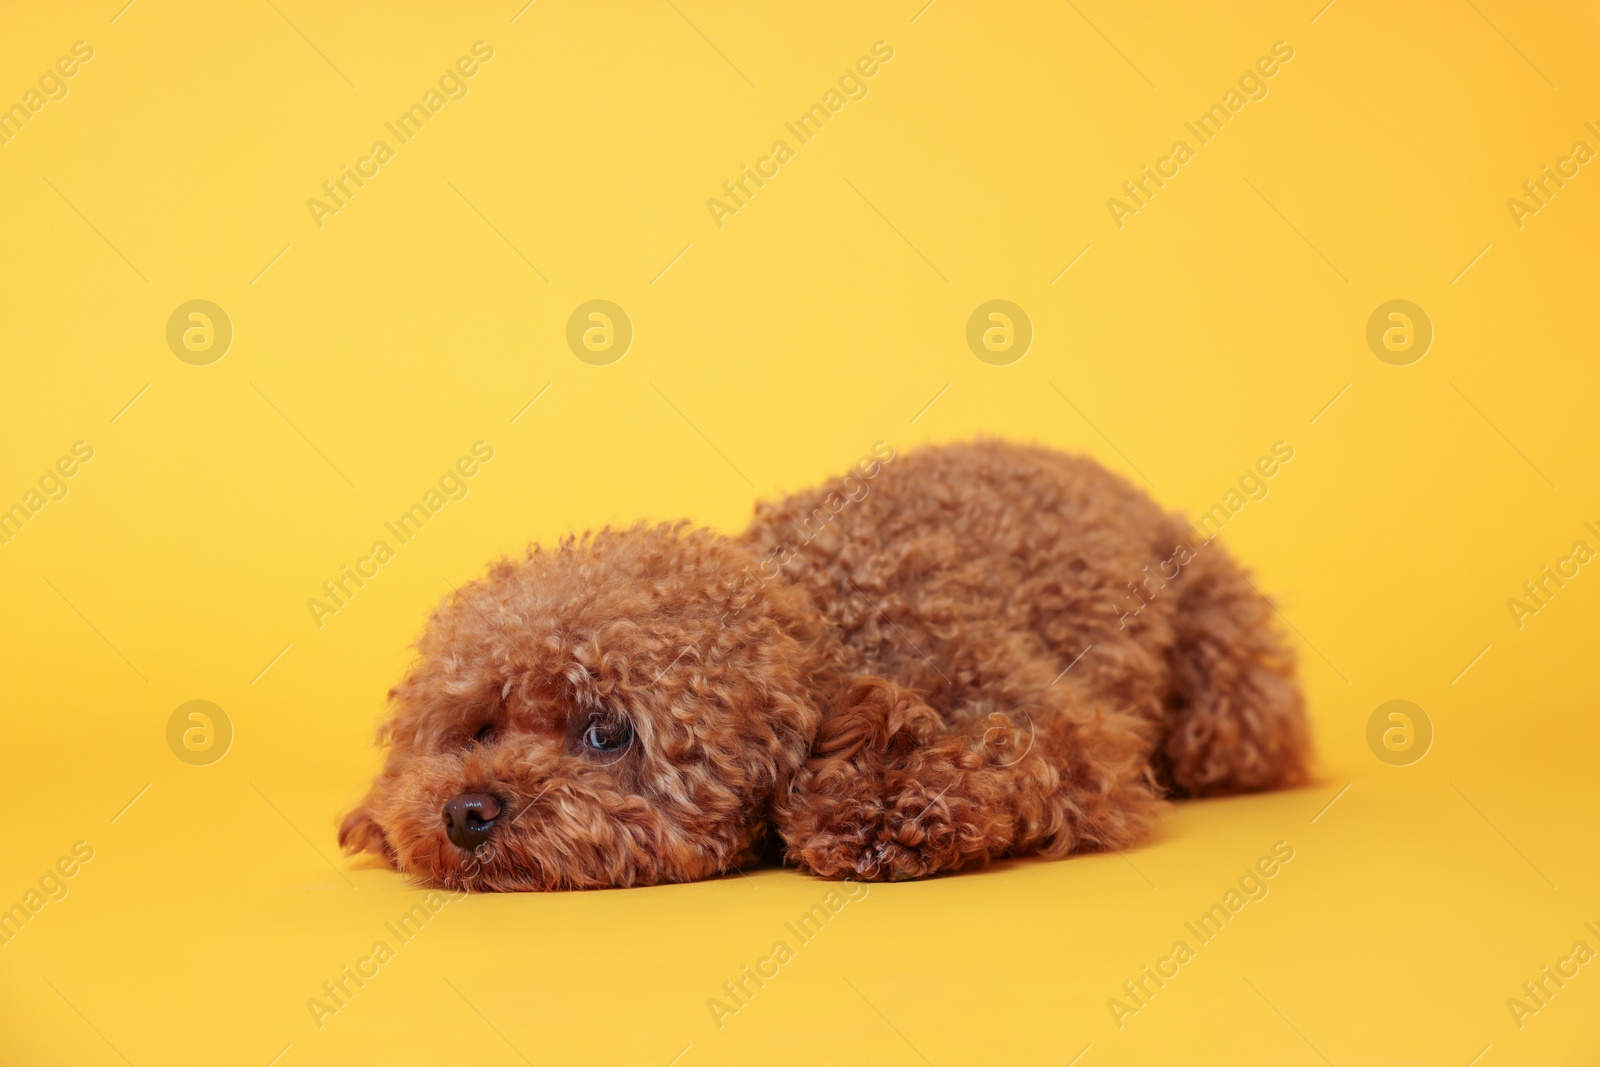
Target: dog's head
(616, 711)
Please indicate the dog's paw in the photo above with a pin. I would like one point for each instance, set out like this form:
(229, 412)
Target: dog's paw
(911, 819)
(873, 861)
(888, 796)
(911, 847)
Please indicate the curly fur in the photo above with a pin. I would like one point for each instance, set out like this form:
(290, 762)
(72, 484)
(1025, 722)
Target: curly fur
(935, 660)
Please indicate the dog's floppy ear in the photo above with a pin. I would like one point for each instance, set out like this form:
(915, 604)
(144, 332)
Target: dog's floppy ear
(360, 833)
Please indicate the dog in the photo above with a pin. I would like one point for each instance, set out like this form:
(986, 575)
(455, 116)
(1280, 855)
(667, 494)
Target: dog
(966, 652)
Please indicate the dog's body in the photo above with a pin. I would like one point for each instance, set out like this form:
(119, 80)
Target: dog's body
(971, 651)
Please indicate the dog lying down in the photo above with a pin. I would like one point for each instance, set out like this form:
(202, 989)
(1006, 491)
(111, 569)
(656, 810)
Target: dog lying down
(967, 652)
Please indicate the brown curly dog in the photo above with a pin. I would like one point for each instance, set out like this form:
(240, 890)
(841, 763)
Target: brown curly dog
(971, 651)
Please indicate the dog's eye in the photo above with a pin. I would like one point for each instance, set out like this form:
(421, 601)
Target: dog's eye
(605, 736)
(486, 733)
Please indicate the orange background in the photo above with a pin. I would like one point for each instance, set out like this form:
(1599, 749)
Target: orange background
(1230, 312)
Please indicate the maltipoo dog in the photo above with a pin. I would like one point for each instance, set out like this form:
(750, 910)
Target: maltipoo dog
(967, 652)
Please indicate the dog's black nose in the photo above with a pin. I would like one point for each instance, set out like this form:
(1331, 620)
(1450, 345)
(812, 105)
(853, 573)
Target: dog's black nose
(469, 818)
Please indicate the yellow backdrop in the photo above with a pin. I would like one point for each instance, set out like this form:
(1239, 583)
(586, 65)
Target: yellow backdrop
(272, 270)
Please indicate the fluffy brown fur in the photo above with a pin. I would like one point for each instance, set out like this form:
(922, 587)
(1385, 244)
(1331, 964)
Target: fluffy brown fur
(968, 652)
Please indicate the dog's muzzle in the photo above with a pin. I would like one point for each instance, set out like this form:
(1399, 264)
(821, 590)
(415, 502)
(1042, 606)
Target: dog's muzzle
(469, 818)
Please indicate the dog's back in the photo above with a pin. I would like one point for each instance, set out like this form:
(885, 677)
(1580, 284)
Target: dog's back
(928, 564)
